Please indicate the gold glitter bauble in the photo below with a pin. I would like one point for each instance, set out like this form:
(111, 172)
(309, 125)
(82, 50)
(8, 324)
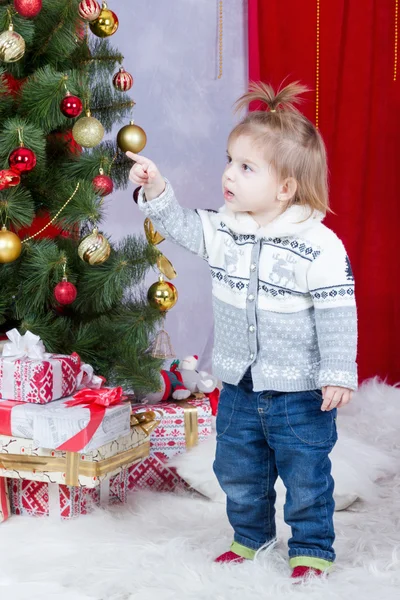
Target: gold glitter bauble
(131, 137)
(94, 248)
(162, 295)
(12, 46)
(88, 131)
(10, 246)
(106, 24)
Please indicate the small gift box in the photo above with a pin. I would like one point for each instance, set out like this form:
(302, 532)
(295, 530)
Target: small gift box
(181, 426)
(29, 374)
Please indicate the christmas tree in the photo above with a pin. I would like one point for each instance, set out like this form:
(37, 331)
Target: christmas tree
(60, 88)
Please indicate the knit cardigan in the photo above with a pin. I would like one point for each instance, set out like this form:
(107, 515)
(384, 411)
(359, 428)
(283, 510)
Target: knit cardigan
(283, 294)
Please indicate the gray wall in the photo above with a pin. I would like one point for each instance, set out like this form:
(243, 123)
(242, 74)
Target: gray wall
(170, 48)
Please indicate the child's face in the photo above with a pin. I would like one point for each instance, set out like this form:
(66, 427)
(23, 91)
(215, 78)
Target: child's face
(249, 182)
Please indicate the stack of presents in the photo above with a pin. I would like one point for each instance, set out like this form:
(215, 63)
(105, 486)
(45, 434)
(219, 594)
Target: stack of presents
(68, 443)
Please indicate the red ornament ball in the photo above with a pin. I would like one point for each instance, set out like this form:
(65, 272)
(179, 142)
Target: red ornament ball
(71, 106)
(136, 194)
(28, 8)
(103, 185)
(9, 178)
(22, 160)
(89, 10)
(122, 81)
(65, 292)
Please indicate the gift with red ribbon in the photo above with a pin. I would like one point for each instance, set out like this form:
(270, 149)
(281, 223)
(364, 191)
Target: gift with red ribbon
(97, 401)
(88, 420)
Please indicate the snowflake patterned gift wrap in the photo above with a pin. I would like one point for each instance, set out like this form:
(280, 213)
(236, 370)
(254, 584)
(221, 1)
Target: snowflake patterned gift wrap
(181, 426)
(29, 374)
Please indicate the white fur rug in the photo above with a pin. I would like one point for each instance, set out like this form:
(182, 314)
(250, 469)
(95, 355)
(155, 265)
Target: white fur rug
(161, 547)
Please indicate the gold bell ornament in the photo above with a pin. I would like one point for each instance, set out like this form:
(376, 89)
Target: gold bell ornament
(106, 24)
(10, 246)
(94, 249)
(131, 137)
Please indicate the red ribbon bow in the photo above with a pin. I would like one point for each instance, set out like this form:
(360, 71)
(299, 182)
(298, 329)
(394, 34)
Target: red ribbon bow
(97, 402)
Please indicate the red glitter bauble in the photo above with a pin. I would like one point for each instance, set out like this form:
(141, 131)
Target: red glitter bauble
(22, 160)
(28, 8)
(103, 185)
(71, 106)
(65, 292)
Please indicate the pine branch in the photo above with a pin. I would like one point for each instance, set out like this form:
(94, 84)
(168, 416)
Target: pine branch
(106, 155)
(6, 99)
(58, 29)
(40, 271)
(16, 206)
(43, 92)
(99, 57)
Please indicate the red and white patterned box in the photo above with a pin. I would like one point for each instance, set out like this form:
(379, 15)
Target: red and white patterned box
(40, 499)
(182, 424)
(4, 501)
(39, 381)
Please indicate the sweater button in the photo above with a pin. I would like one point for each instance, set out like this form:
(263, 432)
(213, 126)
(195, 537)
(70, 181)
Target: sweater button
(250, 297)
(252, 329)
(253, 267)
(251, 356)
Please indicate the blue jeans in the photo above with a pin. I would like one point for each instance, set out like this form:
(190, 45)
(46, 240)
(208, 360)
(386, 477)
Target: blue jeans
(261, 435)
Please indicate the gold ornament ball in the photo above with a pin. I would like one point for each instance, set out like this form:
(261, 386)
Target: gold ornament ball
(12, 46)
(94, 248)
(106, 24)
(88, 131)
(10, 246)
(162, 295)
(131, 137)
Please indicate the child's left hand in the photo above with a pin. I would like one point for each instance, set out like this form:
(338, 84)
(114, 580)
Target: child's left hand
(335, 397)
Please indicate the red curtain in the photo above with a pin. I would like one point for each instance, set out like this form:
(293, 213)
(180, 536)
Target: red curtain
(359, 118)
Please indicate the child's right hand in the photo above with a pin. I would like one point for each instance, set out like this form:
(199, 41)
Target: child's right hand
(145, 173)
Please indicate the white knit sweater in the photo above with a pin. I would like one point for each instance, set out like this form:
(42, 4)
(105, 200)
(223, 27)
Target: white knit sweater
(283, 294)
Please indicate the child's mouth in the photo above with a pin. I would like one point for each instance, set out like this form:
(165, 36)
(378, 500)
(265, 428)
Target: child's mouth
(228, 195)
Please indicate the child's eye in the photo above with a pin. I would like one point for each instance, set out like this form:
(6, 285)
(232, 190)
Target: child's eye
(246, 167)
(228, 159)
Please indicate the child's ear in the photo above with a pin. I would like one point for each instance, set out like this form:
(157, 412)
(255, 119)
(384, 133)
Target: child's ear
(287, 189)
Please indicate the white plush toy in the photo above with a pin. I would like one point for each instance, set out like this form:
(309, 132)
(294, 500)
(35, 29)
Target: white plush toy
(193, 380)
(183, 380)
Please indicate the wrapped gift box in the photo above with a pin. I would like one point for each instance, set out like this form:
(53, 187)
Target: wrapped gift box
(39, 381)
(38, 477)
(34, 498)
(181, 426)
(51, 426)
(29, 374)
(39, 498)
(23, 459)
(4, 501)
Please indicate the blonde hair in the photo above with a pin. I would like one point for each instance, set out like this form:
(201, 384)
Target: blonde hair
(291, 142)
